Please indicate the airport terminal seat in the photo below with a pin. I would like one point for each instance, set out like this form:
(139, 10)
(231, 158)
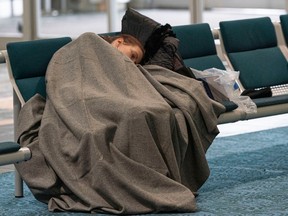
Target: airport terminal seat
(198, 50)
(197, 46)
(250, 47)
(27, 62)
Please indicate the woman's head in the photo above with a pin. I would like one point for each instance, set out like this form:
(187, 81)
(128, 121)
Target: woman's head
(128, 45)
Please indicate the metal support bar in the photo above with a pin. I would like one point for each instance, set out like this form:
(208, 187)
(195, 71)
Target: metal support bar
(18, 180)
(19, 191)
(47, 5)
(31, 18)
(23, 154)
(196, 11)
(2, 58)
(112, 15)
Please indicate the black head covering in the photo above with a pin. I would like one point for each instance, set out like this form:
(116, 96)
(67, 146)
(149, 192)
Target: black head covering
(138, 25)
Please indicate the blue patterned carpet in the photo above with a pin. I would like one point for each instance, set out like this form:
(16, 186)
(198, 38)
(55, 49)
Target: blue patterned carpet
(249, 176)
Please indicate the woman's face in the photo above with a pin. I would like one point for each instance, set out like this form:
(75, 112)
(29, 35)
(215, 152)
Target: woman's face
(134, 52)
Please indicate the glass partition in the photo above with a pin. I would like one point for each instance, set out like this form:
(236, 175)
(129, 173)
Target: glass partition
(72, 18)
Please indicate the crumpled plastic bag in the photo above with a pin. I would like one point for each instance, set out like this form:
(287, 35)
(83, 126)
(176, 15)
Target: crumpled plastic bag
(226, 83)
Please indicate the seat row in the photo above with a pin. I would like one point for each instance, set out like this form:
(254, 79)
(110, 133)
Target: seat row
(249, 46)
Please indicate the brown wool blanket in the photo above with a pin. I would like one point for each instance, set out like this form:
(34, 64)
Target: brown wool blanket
(115, 137)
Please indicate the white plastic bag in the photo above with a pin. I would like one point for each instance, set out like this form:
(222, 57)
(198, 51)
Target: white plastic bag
(226, 82)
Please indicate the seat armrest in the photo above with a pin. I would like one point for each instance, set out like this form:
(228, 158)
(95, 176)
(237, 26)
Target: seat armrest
(8, 147)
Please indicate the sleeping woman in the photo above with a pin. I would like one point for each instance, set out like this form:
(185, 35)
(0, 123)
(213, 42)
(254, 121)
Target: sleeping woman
(128, 45)
(114, 136)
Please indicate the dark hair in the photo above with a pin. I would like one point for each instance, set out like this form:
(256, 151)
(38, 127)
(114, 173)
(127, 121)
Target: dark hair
(128, 39)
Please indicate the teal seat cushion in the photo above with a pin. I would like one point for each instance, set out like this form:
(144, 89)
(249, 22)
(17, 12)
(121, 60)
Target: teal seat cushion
(260, 68)
(284, 26)
(248, 34)
(251, 45)
(195, 40)
(197, 46)
(31, 86)
(29, 61)
(204, 62)
(8, 147)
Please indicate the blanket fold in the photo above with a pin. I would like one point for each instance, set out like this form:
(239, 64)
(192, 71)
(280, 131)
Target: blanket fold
(115, 137)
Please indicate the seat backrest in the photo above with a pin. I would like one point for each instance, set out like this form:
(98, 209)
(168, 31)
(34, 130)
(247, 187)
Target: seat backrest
(28, 61)
(250, 45)
(197, 46)
(284, 26)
